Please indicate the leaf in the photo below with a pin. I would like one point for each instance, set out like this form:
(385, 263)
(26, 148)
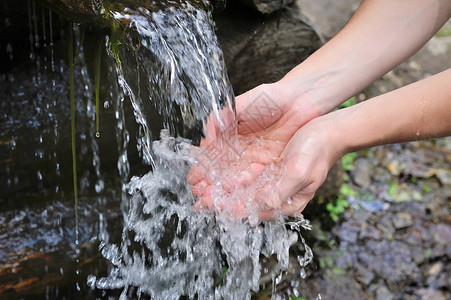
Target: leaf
(347, 161)
(392, 189)
(350, 102)
(347, 191)
(338, 271)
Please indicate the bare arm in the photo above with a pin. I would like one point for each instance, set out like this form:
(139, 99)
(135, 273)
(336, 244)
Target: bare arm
(418, 111)
(421, 110)
(380, 35)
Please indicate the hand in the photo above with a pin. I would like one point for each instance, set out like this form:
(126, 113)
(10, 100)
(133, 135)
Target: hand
(306, 161)
(268, 112)
(274, 111)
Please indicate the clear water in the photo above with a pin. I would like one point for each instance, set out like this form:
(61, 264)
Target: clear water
(168, 249)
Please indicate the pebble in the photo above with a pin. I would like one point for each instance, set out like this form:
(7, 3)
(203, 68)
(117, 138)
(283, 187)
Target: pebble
(362, 172)
(402, 220)
(435, 269)
(383, 293)
(444, 231)
(364, 275)
(427, 294)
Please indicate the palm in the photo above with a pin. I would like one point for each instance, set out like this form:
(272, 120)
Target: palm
(266, 122)
(271, 114)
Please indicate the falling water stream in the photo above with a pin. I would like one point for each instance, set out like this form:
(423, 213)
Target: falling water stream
(167, 64)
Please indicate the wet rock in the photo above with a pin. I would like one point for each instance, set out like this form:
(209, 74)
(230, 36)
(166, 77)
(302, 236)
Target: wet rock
(444, 176)
(402, 220)
(394, 168)
(444, 232)
(441, 281)
(362, 172)
(383, 293)
(390, 260)
(427, 294)
(342, 285)
(435, 269)
(418, 255)
(381, 175)
(386, 227)
(349, 232)
(374, 205)
(370, 232)
(364, 275)
(440, 251)
(344, 260)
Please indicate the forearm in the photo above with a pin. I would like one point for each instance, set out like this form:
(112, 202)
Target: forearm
(380, 35)
(418, 111)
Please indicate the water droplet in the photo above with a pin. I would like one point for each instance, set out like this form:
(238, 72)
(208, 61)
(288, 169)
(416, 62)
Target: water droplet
(303, 274)
(91, 280)
(13, 144)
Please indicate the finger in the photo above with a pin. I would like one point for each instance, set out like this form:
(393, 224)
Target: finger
(205, 202)
(293, 208)
(195, 175)
(268, 215)
(199, 188)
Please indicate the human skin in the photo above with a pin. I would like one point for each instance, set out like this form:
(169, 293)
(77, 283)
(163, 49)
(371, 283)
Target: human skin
(380, 35)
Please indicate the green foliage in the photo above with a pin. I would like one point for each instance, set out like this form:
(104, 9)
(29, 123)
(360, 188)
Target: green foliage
(114, 41)
(428, 253)
(444, 32)
(347, 161)
(426, 189)
(293, 297)
(392, 189)
(347, 191)
(326, 261)
(338, 271)
(350, 102)
(339, 206)
(324, 238)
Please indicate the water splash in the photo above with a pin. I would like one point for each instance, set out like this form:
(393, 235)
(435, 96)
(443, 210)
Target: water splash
(168, 249)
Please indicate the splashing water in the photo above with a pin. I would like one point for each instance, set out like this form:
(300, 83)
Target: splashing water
(168, 249)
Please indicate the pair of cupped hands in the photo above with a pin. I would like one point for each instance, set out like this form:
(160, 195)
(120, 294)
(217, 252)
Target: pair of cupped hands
(283, 157)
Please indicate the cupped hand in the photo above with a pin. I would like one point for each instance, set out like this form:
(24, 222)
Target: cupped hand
(273, 111)
(244, 176)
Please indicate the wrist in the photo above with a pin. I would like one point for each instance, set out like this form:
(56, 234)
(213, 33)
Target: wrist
(335, 138)
(317, 92)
